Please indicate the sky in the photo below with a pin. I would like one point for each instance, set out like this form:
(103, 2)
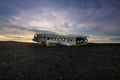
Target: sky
(98, 19)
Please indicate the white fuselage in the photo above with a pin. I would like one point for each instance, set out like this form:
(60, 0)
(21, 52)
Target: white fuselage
(53, 39)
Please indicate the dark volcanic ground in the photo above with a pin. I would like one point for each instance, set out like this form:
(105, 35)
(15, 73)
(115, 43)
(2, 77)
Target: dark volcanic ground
(28, 61)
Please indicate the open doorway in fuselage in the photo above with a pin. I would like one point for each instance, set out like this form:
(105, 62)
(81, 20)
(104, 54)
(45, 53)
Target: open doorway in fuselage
(79, 40)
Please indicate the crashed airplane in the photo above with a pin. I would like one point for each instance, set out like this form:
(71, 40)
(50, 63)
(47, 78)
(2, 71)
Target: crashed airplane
(55, 39)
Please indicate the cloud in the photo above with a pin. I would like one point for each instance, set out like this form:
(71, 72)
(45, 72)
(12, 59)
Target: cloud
(94, 18)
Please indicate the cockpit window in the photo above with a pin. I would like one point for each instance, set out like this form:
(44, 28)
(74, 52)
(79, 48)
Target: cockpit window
(35, 35)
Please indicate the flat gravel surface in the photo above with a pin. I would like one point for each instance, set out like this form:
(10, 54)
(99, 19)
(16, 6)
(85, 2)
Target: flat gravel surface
(30, 61)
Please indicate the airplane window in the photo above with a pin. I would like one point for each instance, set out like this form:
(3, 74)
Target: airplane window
(43, 37)
(48, 38)
(66, 40)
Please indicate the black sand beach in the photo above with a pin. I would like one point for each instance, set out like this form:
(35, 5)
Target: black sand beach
(29, 61)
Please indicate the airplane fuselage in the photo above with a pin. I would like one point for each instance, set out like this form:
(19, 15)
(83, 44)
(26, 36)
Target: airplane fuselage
(54, 39)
